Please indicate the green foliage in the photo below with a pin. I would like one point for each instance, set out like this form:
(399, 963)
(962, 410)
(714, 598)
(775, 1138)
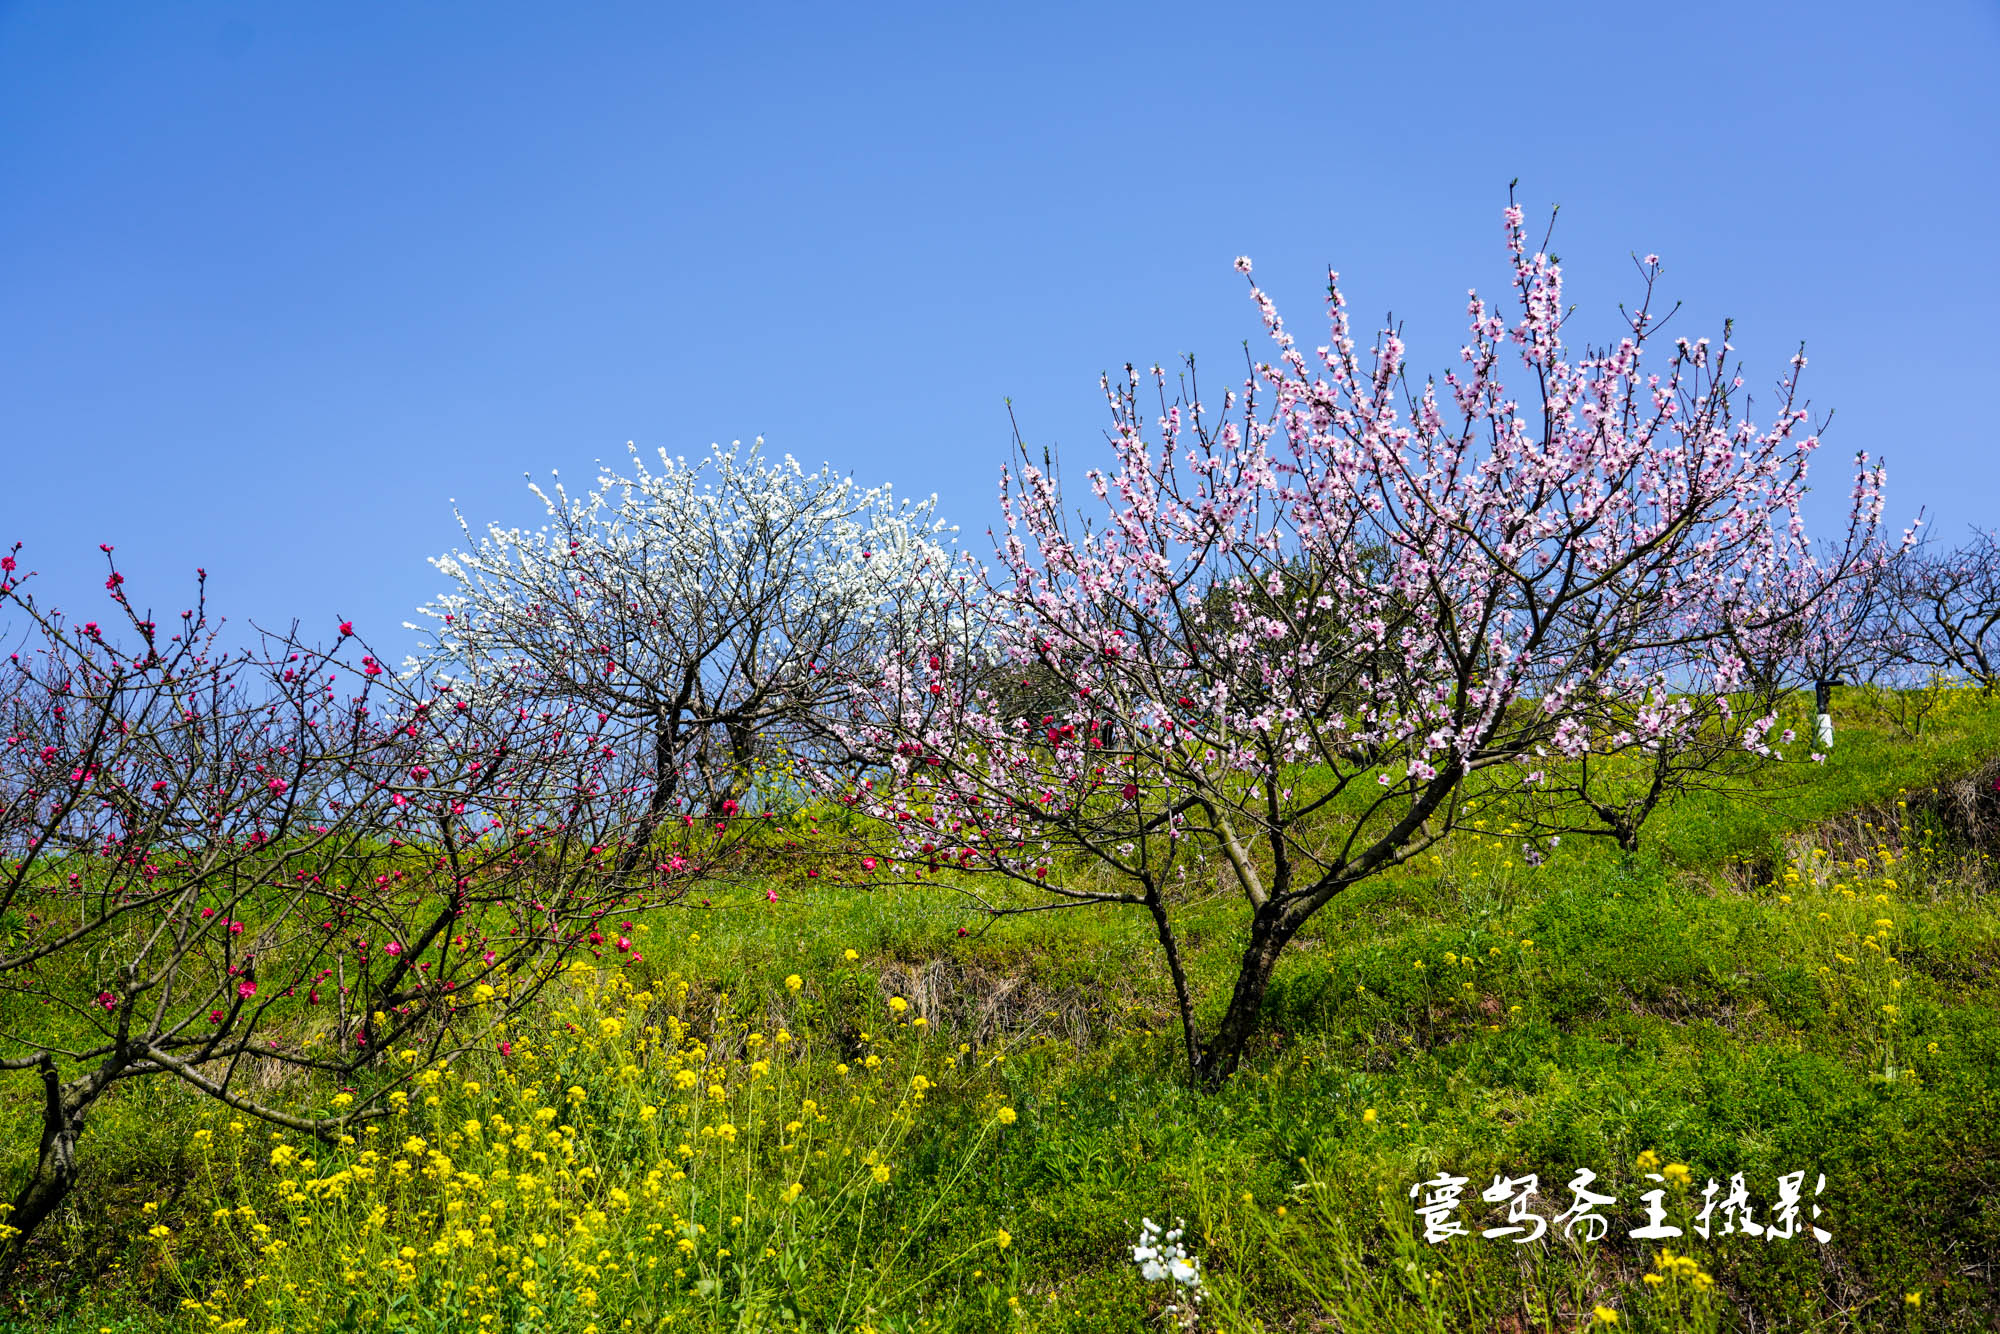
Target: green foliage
(1725, 1000)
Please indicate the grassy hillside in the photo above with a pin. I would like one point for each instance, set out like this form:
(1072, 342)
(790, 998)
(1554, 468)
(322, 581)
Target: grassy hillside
(836, 1111)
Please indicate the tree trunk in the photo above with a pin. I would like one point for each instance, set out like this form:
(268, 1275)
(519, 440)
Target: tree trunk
(1222, 1053)
(64, 1107)
(665, 783)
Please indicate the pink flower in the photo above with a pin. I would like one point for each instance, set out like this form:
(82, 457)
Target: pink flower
(246, 990)
(207, 913)
(392, 949)
(506, 1049)
(215, 1016)
(108, 1001)
(867, 863)
(771, 895)
(624, 943)
(277, 786)
(236, 928)
(346, 629)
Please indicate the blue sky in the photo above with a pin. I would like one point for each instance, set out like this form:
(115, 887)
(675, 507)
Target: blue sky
(279, 281)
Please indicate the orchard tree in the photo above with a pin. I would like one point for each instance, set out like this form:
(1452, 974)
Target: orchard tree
(1307, 624)
(1945, 610)
(1708, 721)
(702, 611)
(218, 865)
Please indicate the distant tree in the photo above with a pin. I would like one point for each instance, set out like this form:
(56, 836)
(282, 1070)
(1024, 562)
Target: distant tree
(1946, 610)
(704, 611)
(1324, 615)
(1708, 721)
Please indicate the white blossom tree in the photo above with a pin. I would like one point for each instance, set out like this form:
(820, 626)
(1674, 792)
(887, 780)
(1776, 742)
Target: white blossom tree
(703, 610)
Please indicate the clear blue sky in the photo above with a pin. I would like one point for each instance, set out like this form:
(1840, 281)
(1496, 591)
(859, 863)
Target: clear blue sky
(279, 280)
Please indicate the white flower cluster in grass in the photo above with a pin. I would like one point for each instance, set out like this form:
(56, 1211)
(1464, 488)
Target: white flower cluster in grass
(1162, 1257)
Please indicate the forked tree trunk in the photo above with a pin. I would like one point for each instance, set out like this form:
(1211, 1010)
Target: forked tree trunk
(1270, 932)
(55, 1172)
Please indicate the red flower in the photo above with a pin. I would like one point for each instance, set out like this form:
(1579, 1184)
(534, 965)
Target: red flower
(246, 989)
(346, 629)
(1130, 792)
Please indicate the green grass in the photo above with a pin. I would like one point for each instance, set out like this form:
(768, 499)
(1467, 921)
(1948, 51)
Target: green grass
(1709, 1002)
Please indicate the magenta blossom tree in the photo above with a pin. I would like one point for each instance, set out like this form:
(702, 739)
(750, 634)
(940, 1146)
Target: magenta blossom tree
(221, 865)
(1302, 627)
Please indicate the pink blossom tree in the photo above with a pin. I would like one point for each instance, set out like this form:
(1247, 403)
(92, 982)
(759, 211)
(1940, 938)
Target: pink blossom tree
(1304, 625)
